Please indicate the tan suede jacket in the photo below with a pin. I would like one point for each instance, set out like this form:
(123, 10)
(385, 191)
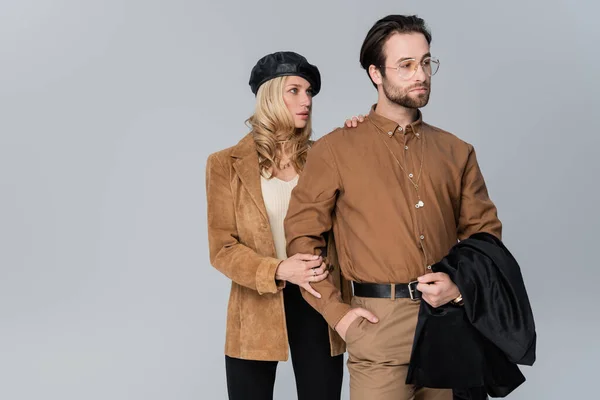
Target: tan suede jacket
(241, 247)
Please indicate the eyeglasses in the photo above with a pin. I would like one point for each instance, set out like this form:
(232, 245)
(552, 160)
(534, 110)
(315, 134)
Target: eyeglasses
(408, 68)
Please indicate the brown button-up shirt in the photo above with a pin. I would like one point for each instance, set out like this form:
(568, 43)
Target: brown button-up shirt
(358, 182)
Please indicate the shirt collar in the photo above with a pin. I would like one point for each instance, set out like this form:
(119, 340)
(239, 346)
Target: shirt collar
(391, 127)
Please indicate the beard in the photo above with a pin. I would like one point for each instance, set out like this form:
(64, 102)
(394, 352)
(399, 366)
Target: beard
(402, 97)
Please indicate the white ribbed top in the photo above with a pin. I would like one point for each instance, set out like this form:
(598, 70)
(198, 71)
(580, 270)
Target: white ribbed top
(276, 194)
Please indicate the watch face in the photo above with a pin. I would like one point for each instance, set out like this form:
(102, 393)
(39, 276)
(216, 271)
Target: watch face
(458, 301)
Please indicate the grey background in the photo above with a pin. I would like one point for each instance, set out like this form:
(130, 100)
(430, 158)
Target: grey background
(109, 109)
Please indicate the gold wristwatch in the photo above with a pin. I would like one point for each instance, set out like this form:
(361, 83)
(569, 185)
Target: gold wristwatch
(458, 301)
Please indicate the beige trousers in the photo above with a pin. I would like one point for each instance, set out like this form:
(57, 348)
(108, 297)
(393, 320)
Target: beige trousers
(378, 354)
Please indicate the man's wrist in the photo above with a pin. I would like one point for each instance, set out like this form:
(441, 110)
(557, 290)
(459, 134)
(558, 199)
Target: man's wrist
(335, 311)
(458, 300)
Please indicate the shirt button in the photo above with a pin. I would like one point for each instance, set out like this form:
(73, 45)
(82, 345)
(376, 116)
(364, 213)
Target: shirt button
(429, 267)
(405, 147)
(417, 134)
(422, 237)
(410, 175)
(390, 133)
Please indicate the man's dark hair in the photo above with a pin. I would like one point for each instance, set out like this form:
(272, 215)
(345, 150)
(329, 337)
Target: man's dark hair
(371, 52)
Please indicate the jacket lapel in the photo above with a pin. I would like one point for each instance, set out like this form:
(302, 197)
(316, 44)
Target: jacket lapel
(246, 167)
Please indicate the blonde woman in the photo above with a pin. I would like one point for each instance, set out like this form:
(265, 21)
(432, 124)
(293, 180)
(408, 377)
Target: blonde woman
(248, 190)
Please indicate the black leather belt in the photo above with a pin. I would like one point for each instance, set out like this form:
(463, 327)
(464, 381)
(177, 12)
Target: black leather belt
(387, 290)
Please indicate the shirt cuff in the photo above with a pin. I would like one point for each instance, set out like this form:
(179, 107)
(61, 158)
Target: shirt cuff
(334, 312)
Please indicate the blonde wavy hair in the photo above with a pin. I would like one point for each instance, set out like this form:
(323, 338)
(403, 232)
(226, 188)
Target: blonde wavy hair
(272, 124)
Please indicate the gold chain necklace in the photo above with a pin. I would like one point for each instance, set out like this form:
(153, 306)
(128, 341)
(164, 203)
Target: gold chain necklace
(284, 165)
(408, 175)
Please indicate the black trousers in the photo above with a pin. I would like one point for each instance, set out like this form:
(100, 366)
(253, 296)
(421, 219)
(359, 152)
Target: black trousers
(318, 375)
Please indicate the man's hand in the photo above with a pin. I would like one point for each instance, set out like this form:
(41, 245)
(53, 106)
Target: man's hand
(437, 288)
(342, 326)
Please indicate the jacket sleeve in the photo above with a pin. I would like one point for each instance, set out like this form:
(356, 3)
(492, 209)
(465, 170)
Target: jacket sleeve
(477, 212)
(238, 262)
(308, 220)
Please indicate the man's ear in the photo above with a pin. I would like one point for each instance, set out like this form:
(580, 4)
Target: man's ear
(375, 74)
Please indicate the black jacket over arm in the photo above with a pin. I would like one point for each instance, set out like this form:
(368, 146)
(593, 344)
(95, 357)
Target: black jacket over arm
(475, 349)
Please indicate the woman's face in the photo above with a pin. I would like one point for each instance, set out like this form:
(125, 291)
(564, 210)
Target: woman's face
(297, 96)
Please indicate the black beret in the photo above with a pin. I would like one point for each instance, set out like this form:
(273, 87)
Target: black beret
(284, 63)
